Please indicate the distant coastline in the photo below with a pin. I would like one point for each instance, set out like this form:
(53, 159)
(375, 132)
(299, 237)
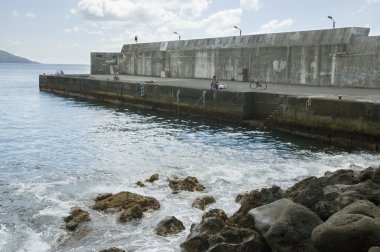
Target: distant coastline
(6, 57)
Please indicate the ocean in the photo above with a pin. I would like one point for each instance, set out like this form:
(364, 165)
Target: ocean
(57, 153)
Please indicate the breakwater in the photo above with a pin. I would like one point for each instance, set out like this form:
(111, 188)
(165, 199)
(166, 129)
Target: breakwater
(347, 122)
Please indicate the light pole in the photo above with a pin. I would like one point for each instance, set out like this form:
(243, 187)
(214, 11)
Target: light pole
(179, 35)
(330, 17)
(238, 29)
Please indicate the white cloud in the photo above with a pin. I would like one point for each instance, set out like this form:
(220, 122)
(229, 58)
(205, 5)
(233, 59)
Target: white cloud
(373, 1)
(15, 13)
(251, 4)
(13, 43)
(276, 25)
(30, 14)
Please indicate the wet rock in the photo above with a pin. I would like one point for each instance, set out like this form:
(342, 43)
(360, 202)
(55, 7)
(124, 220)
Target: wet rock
(187, 184)
(169, 226)
(103, 196)
(286, 225)
(153, 178)
(251, 200)
(354, 228)
(77, 216)
(346, 177)
(113, 249)
(140, 183)
(126, 200)
(202, 201)
(133, 213)
(219, 213)
(374, 249)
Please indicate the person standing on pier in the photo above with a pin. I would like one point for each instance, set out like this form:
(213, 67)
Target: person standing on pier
(214, 83)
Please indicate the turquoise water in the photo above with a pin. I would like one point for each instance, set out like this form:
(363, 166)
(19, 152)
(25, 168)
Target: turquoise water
(58, 153)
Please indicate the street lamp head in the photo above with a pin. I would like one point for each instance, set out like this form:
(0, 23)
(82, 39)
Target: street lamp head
(330, 17)
(236, 27)
(175, 32)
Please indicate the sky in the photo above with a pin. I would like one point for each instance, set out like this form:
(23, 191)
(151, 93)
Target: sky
(66, 31)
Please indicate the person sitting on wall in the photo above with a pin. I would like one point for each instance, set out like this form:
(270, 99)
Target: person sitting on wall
(214, 83)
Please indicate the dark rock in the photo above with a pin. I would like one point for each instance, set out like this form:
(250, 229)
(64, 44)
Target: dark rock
(251, 200)
(140, 183)
(133, 213)
(376, 176)
(327, 195)
(113, 249)
(345, 177)
(77, 216)
(366, 174)
(355, 228)
(215, 213)
(169, 226)
(187, 184)
(202, 201)
(126, 200)
(286, 225)
(153, 178)
(213, 235)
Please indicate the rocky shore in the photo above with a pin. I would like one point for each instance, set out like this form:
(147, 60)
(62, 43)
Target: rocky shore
(337, 212)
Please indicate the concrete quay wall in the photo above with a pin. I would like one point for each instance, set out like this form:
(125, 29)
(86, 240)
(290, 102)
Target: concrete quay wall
(349, 123)
(344, 57)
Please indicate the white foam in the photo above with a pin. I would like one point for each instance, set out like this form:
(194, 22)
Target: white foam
(33, 243)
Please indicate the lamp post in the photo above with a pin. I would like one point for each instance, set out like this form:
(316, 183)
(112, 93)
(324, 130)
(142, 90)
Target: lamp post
(179, 35)
(330, 17)
(238, 29)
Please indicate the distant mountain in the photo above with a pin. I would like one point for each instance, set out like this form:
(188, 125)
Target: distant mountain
(6, 57)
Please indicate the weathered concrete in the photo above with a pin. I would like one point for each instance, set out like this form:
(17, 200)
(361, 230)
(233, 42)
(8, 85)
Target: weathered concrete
(344, 57)
(351, 121)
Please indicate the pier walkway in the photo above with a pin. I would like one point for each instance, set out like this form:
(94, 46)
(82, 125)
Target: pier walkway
(352, 94)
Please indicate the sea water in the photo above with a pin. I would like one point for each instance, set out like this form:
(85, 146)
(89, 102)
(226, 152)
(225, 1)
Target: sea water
(57, 153)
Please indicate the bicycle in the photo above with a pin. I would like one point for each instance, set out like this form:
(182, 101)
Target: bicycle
(258, 85)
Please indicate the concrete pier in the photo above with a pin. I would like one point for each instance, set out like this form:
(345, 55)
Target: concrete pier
(345, 116)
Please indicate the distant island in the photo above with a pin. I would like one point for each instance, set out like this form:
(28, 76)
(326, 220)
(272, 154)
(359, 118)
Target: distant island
(6, 57)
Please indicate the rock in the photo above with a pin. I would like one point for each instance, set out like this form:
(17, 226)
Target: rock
(251, 200)
(366, 174)
(103, 196)
(327, 195)
(213, 235)
(202, 201)
(169, 226)
(215, 213)
(374, 249)
(126, 200)
(113, 249)
(354, 228)
(133, 213)
(286, 225)
(346, 177)
(140, 183)
(153, 178)
(376, 176)
(77, 216)
(187, 184)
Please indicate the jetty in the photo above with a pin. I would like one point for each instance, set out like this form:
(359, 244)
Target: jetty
(322, 84)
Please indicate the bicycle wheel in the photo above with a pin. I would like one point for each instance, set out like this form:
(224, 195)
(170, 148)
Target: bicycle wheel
(253, 85)
(263, 85)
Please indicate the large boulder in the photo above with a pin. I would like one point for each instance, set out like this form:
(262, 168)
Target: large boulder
(77, 217)
(202, 201)
(355, 228)
(133, 213)
(169, 226)
(286, 225)
(187, 184)
(113, 249)
(251, 200)
(125, 200)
